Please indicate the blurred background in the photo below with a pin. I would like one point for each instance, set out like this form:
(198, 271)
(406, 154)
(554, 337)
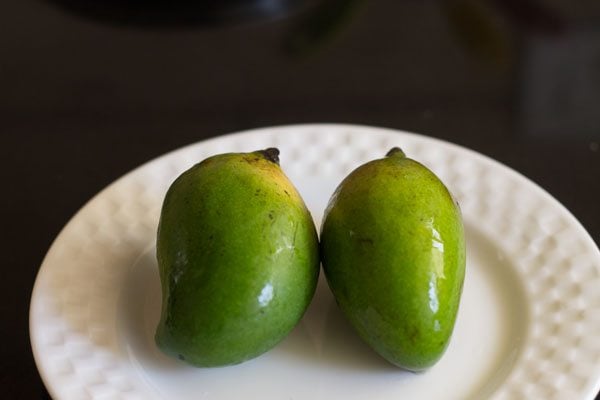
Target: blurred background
(90, 89)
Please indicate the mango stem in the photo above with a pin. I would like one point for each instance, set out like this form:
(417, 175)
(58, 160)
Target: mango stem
(395, 152)
(271, 154)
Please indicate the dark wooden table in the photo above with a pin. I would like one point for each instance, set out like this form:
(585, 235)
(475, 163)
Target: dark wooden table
(90, 90)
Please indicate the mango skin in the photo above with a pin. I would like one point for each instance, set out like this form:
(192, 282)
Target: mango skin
(238, 260)
(393, 253)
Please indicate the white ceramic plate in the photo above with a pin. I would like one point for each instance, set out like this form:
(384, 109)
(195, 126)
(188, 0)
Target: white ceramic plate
(528, 326)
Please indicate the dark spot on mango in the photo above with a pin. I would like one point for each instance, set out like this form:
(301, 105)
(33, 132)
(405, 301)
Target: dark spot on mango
(181, 357)
(368, 241)
(413, 334)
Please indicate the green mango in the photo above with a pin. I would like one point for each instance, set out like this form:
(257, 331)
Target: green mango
(238, 259)
(393, 253)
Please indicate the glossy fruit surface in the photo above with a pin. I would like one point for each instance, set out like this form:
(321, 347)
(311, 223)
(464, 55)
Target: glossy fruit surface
(238, 259)
(393, 252)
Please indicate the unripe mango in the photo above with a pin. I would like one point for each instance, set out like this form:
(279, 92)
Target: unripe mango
(393, 253)
(238, 259)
